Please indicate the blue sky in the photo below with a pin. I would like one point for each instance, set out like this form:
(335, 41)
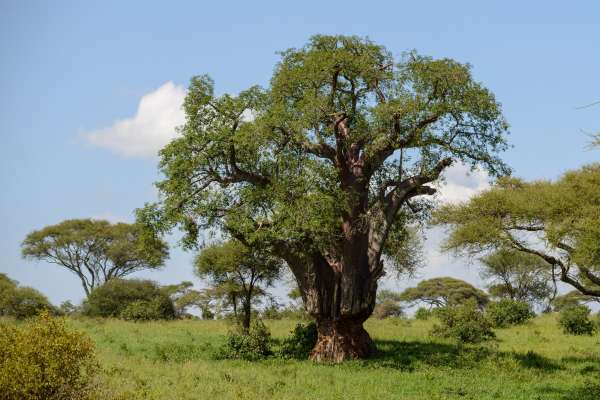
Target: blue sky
(69, 71)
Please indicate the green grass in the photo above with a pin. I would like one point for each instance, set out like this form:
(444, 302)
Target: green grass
(173, 360)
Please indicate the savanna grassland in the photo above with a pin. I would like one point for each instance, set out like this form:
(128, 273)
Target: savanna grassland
(175, 360)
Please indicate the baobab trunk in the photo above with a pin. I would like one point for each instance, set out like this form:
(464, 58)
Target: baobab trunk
(340, 299)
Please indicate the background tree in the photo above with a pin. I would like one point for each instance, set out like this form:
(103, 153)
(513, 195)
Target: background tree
(554, 221)
(113, 298)
(388, 305)
(96, 251)
(21, 301)
(572, 298)
(517, 276)
(325, 166)
(444, 292)
(184, 296)
(239, 274)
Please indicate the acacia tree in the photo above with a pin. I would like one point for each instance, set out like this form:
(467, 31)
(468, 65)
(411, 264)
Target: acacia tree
(239, 274)
(444, 292)
(517, 276)
(554, 221)
(96, 251)
(325, 165)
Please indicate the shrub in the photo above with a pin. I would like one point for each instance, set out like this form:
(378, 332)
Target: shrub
(301, 342)
(465, 323)
(508, 312)
(42, 359)
(112, 298)
(575, 320)
(253, 344)
(423, 313)
(144, 310)
(24, 302)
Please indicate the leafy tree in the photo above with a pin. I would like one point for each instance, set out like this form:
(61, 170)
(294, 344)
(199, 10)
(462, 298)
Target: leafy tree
(238, 274)
(554, 221)
(21, 302)
(444, 292)
(517, 276)
(184, 296)
(328, 168)
(96, 251)
(113, 297)
(388, 305)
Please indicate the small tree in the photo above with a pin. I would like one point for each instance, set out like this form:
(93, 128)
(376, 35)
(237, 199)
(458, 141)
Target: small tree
(238, 274)
(517, 276)
(96, 251)
(184, 297)
(388, 305)
(443, 292)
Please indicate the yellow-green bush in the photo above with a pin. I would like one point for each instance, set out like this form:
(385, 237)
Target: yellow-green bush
(43, 359)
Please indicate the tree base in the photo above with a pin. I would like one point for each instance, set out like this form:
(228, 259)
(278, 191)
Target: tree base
(342, 340)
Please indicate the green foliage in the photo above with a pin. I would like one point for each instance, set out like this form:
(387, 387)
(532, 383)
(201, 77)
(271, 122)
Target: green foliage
(517, 276)
(96, 251)
(575, 320)
(564, 216)
(442, 292)
(295, 167)
(388, 305)
(572, 298)
(302, 340)
(116, 295)
(423, 313)
(68, 308)
(508, 312)
(44, 360)
(466, 323)
(237, 275)
(252, 344)
(21, 302)
(147, 310)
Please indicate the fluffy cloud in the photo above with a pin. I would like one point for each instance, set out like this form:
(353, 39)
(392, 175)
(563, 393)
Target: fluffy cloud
(460, 183)
(152, 126)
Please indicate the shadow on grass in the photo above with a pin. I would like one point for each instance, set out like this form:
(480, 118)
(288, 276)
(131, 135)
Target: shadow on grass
(408, 356)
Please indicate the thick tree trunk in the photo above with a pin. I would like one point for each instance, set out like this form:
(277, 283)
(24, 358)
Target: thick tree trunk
(341, 340)
(340, 299)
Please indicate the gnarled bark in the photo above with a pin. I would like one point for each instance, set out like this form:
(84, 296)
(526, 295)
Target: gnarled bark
(340, 340)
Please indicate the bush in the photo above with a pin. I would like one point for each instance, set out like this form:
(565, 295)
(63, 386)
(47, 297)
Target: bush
(302, 341)
(465, 323)
(423, 313)
(116, 295)
(25, 302)
(42, 359)
(575, 320)
(508, 312)
(253, 344)
(144, 310)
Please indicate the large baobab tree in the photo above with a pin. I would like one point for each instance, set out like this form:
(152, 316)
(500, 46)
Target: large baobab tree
(326, 168)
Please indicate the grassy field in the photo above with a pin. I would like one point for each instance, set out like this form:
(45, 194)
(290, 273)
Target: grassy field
(173, 360)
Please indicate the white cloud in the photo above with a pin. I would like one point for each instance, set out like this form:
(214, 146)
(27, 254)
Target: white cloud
(460, 183)
(150, 129)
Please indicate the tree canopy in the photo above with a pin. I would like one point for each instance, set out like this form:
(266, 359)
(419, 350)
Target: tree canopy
(237, 274)
(443, 292)
(327, 167)
(517, 276)
(95, 250)
(556, 221)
